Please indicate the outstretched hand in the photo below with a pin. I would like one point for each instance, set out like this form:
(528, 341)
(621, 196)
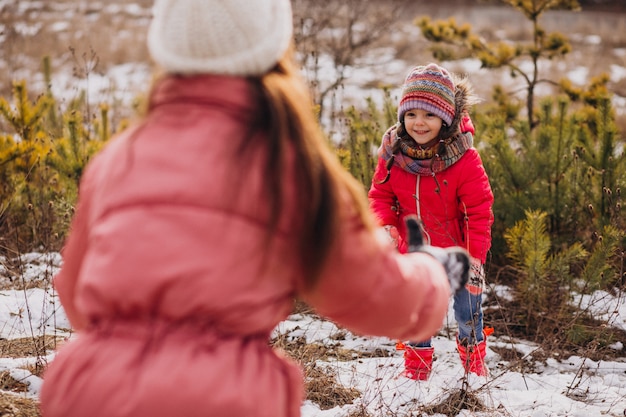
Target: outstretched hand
(455, 260)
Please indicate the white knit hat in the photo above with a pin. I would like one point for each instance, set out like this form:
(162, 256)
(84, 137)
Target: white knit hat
(233, 37)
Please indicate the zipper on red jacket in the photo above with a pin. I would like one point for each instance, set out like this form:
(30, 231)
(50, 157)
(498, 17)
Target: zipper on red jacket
(418, 208)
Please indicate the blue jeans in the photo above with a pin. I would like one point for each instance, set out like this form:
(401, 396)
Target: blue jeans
(468, 314)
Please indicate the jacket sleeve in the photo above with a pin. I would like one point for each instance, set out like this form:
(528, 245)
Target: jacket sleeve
(476, 202)
(73, 252)
(371, 289)
(382, 198)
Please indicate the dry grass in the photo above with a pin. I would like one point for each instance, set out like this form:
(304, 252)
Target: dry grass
(322, 389)
(13, 401)
(320, 381)
(27, 346)
(12, 405)
(8, 383)
(452, 405)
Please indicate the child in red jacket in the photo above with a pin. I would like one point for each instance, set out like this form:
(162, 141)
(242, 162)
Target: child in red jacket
(428, 167)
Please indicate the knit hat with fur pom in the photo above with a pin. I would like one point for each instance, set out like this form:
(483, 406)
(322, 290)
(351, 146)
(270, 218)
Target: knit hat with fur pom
(428, 88)
(230, 37)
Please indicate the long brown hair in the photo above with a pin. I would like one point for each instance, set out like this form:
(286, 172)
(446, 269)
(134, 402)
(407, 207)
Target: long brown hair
(290, 121)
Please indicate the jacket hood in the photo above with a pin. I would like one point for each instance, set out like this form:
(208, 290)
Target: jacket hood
(464, 99)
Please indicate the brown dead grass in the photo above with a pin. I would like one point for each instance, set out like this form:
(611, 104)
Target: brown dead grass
(27, 346)
(13, 401)
(320, 382)
(323, 389)
(12, 405)
(8, 383)
(454, 403)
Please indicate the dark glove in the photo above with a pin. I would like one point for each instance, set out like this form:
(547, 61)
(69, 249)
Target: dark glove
(455, 260)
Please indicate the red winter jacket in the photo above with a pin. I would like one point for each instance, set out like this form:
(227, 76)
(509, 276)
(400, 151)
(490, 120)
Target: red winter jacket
(455, 205)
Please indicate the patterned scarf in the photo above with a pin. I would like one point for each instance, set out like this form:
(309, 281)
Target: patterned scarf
(424, 162)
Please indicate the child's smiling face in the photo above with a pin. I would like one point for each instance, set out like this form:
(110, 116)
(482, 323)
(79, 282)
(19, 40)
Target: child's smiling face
(423, 126)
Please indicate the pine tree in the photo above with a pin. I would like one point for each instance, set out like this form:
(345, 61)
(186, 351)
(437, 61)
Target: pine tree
(535, 169)
(597, 148)
(358, 152)
(41, 167)
(502, 54)
(27, 186)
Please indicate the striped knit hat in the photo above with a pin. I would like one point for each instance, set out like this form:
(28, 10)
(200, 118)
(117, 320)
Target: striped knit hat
(428, 88)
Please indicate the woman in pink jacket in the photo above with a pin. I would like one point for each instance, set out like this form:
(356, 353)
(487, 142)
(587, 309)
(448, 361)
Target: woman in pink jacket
(197, 228)
(428, 168)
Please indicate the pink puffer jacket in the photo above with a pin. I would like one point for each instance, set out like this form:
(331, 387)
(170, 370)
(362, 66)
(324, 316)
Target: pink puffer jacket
(174, 289)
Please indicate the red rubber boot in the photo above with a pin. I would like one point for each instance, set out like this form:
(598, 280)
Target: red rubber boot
(473, 357)
(418, 362)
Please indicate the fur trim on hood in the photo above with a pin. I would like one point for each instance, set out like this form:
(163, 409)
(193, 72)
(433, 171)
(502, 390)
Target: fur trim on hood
(464, 99)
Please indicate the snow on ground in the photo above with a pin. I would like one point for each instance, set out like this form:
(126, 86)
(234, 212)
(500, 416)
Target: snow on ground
(572, 387)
